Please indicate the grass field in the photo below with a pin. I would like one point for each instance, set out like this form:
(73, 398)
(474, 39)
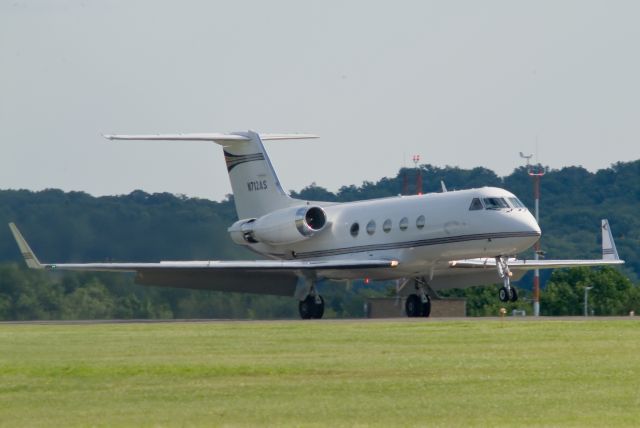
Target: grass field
(443, 373)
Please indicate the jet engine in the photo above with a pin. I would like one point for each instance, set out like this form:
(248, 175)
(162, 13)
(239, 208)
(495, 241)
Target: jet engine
(282, 227)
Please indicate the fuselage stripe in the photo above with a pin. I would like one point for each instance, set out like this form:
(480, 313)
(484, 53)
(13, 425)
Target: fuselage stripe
(412, 244)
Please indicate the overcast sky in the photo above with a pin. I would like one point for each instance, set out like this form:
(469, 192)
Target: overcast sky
(463, 83)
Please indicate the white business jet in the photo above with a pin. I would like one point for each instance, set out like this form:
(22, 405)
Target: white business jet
(433, 241)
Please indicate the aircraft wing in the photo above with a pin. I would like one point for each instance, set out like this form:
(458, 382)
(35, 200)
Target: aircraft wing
(276, 277)
(472, 272)
(609, 257)
(518, 264)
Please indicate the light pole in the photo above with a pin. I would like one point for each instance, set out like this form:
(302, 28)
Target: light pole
(536, 193)
(536, 273)
(586, 301)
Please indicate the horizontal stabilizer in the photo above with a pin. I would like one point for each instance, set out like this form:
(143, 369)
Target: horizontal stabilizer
(219, 138)
(265, 137)
(179, 137)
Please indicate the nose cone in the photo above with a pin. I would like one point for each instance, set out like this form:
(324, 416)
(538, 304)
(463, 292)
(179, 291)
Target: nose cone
(529, 228)
(531, 224)
(521, 223)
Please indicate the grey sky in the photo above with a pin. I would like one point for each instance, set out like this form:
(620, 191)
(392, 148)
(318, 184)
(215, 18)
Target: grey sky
(463, 83)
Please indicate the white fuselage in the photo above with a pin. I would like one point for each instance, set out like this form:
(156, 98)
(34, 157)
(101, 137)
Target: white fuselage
(425, 233)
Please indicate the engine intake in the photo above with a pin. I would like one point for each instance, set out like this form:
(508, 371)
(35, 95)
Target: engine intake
(286, 226)
(310, 221)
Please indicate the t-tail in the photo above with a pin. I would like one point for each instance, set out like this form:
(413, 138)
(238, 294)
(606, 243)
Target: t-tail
(256, 187)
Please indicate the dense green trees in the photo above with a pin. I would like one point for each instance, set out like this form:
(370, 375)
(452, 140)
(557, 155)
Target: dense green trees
(612, 292)
(29, 295)
(75, 226)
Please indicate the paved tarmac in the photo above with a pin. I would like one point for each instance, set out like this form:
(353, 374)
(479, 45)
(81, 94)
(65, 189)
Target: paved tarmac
(332, 320)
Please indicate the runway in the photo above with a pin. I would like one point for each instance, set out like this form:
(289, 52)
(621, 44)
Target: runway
(329, 321)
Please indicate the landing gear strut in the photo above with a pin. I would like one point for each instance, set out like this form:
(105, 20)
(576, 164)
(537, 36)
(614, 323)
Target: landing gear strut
(418, 305)
(507, 293)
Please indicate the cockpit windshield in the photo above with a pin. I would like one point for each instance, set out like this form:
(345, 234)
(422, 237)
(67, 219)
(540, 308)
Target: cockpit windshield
(495, 203)
(516, 203)
(478, 204)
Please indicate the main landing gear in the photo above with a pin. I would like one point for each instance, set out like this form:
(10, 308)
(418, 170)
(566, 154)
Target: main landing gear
(419, 303)
(507, 293)
(312, 307)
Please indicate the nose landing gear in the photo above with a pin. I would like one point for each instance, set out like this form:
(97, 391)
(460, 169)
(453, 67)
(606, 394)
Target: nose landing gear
(507, 293)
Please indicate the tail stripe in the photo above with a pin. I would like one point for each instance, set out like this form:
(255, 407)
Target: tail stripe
(235, 160)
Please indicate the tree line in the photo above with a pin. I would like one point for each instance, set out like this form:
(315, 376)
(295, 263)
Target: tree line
(76, 227)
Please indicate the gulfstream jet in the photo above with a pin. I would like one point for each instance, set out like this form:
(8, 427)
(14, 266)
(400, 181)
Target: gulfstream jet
(428, 242)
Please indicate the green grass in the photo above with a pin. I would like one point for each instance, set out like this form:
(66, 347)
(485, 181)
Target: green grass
(466, 373)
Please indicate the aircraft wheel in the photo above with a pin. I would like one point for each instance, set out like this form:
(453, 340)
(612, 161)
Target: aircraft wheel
(504, 294)
(413, 306)
(307, 307)
(426, 309)
(318, 309)
(514, 295)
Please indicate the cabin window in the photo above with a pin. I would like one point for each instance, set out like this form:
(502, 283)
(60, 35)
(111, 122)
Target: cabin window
(355, 228)
(495, 203)
(386, 226)
(476, 205)
(420, 221)
(371, 227)
(515, 203)
(404, 223)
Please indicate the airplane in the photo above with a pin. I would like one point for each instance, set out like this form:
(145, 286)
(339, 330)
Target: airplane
(429, 242)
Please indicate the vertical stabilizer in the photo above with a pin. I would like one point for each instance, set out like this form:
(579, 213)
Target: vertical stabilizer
(609, 250)
(256, 188)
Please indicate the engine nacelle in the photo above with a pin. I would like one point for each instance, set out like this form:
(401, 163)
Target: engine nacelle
(281, 227)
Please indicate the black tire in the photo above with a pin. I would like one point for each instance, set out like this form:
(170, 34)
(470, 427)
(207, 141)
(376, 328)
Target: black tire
(318, 309)
(514, 295)
(504, 294)
(413, 306)
(306, 308)
(426, 308)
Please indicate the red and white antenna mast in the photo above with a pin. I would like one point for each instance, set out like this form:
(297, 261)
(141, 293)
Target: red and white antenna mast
(416, 160)
(536, 174)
